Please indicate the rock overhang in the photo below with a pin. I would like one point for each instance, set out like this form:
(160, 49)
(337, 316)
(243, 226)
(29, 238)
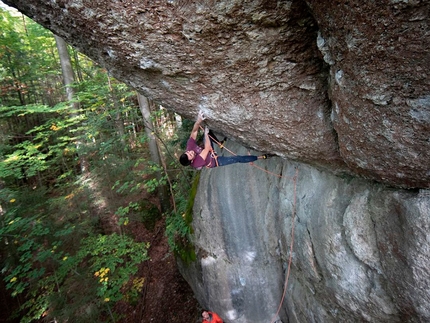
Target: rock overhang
(343, 87)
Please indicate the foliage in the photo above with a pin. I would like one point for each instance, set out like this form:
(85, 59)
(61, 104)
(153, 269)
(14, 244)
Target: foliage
(29, 67)
(54, 237)
(149, 214)
(51, 147)
(178, 224)
(106, 256)
(122, 212)
(44, 267)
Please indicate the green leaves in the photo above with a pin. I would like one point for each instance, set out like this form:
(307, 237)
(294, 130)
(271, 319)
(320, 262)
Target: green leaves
(178, 225)
(26, 62)
(113, 259)
(53, 211)
(50, 141)
(43, 265)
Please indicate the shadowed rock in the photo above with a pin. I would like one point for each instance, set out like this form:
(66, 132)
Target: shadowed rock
(342, 86)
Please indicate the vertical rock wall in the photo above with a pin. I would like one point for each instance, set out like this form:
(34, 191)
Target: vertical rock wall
(361, 250)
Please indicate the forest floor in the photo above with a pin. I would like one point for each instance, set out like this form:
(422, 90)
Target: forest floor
(166, 296)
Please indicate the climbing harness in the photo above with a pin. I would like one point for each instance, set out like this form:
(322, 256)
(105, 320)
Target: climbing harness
(222, 146)
(214, 156)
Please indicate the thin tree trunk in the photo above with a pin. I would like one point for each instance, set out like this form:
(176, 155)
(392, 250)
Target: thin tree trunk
(68, 79)
(119, 122)
(154, 149)
(66, 67)
(77, 66)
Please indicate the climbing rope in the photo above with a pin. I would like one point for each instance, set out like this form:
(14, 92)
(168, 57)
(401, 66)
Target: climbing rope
(231, 152)
(290, 260)
(266, 171)
(214, 156)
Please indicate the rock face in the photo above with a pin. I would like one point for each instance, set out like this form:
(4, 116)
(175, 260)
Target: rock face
(338, 85)
(379, 87)
(340, 91)
(360, 252)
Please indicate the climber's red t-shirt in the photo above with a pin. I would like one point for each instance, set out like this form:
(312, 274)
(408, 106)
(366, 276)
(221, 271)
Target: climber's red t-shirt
(199, 162)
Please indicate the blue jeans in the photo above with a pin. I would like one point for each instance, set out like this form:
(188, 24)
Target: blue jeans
(223, 161)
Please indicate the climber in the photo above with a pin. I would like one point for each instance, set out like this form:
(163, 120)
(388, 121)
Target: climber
(198, 157)
(211, 317)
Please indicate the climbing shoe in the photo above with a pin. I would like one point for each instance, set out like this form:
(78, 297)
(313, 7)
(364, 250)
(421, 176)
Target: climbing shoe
(221, 144)
(265, 156)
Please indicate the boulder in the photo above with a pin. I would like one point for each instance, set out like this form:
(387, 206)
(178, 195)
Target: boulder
(348, 250)
(339, 90)
(339, 86)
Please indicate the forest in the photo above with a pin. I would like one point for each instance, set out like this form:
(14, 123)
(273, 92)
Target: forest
(87, 165)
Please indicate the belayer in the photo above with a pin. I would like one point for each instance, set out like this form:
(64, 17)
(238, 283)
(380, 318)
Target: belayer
(210, 317)
(198, 157)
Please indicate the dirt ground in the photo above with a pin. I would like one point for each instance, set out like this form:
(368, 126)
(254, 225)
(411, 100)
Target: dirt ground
(166, 296)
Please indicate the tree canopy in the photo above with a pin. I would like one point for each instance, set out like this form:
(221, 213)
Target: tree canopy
(60, 227)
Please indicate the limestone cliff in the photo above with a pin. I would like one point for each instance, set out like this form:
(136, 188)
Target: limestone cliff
(338, 90)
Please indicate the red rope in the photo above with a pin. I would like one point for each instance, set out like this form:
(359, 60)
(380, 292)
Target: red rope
(290, 260)
(252, 164)
(265, 170)
(219, 144)
(291, 248)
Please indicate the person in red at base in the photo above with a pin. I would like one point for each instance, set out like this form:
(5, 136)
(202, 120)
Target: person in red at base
(211, 317)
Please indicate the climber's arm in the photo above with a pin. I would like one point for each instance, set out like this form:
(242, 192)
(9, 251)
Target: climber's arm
(196, 126)
(208, 146)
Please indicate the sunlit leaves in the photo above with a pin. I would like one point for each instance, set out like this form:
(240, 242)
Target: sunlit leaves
(42, 265)
(28, 62)
(113, 260)
(51, 220)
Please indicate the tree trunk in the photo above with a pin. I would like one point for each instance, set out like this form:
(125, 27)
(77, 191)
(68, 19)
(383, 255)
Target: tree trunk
(119, 122)
(154, 150)
(68, 79)
(66, 67)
